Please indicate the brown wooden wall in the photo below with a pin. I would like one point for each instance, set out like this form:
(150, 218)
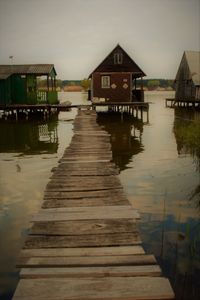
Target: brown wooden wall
(117, 91)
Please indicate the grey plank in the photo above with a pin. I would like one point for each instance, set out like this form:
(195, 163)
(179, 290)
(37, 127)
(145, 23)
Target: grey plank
(80, 272)
(84, 227)
(82, 251)
(123, 288)
(82, 240)
(84, 194)
(56, 202)
(92, 261)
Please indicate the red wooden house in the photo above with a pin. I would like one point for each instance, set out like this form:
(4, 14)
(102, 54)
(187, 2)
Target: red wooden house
(115, 79)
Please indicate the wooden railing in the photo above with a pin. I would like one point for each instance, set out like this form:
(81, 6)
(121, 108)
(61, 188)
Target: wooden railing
(41, 97)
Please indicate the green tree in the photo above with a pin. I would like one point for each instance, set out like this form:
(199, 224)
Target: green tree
(153, 83)
(59, 83)
(85, 83)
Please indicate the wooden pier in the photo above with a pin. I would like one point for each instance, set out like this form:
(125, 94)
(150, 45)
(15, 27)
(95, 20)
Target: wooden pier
(171, 102)
(84, 242)
(135, 109)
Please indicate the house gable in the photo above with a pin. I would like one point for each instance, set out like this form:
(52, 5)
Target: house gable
(189, 68)
(119, 61)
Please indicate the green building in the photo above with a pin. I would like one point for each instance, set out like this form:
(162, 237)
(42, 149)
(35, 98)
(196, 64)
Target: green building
(18, 84)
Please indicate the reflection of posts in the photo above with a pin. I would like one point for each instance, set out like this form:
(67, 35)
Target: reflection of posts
(125, 140)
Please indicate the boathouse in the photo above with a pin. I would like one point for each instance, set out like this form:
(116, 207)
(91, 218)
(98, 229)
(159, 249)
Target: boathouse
(18, 84)
(116, 79)
(187, 82)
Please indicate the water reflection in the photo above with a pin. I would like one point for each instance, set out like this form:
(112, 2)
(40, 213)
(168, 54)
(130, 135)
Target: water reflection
(29, 137)
(187, 133)
(126, 136)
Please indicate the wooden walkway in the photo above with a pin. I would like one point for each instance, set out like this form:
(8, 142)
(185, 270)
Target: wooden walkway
(84, 242)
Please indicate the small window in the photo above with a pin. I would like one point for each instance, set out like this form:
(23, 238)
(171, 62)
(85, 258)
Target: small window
(105, 82)
(118, 58)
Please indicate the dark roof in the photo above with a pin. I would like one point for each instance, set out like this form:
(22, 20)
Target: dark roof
(128, 64)
(193, 59)
(38, 69)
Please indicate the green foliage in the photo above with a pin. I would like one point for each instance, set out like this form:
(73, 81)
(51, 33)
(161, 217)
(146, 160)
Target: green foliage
(71, 82)
(153, 83)
(85, 83)
(42, 83)
(59, 83)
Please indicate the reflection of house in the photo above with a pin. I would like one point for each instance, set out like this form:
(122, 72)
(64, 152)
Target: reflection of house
(18, 84)
(115, 79)
(31, 137)
(126, 137)
(187, 82)
(187, 131)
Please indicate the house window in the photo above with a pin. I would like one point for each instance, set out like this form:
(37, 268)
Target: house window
(105, 82)
(118, 58)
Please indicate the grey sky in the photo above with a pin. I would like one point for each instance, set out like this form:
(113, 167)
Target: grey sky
(76, 35)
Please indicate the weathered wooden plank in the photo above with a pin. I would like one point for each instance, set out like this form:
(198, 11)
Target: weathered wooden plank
(85, 145)
(91, 133)
(84, 194)
(98, 214)
(88, 128)
(70, 168)
(91, 261)
(85, 166)
(99, 138)
(73, 173)
(78, 183)
(93, 165)
(51, 203)
(84, 227)
(99, 141)
(91, 210)
(79, 150)
(86, 251)
(77, 272)
(111, 180)
(123, 288)
(88, 160)
(63, 216)
(82, 240)
(79, 188)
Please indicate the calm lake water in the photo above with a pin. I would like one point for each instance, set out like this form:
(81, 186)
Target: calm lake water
(159, 166)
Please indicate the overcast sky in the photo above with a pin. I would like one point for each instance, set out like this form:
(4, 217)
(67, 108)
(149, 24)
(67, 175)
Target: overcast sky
(76, 35)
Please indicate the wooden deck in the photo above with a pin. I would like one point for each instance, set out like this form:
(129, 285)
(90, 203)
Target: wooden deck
(84, 242)
(135, 109)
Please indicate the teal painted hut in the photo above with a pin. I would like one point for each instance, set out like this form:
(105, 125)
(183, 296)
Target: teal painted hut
(18, 84)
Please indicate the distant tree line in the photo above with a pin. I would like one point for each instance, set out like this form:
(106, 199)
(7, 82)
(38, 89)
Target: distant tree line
(150, 84)
(155, 83)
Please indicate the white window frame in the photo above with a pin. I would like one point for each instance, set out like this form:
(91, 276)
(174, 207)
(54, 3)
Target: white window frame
(118, 58)
(105, 81)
